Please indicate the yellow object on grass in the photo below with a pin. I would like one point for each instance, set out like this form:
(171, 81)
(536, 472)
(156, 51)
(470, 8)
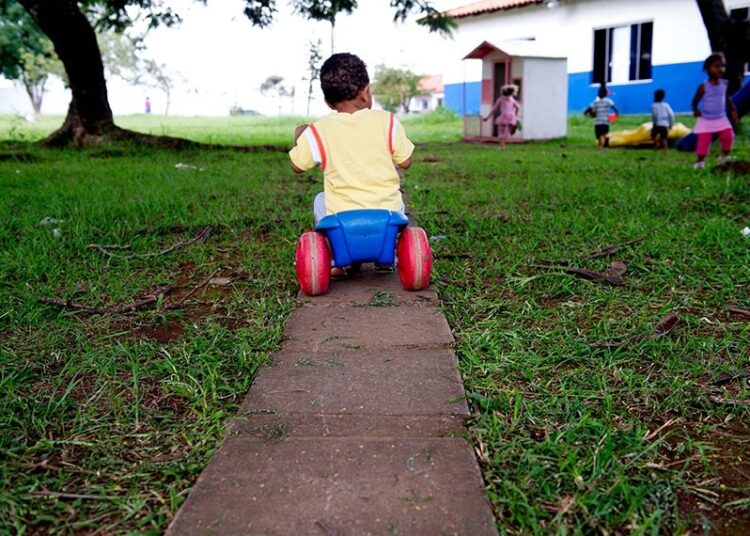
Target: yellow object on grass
(641, 135)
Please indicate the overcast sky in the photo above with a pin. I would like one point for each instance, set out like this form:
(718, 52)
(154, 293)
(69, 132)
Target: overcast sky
(220, 59)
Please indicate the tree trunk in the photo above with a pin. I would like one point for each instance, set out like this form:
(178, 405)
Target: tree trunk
(309, 95)
(89, 115)
(35, 91)
(727, 36)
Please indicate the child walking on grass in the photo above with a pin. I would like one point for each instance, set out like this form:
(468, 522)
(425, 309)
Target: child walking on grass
(712, 116)
(662, 119)
(357, 147)
(599, 110)
(505, 110)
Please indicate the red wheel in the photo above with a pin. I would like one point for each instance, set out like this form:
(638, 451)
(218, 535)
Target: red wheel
(313, 263)
(414, 258)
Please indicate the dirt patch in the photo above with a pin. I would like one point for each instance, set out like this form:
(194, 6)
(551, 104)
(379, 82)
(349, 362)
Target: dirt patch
(84, 388)
(738, 167)
(161, 333)
(231, 323)
(549, 302)
(716, 483)
(109, 153)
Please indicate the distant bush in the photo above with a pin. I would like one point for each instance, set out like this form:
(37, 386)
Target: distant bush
(439, 115)
(236, 110)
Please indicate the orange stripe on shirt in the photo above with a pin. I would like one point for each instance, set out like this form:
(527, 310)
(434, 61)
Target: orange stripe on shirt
(319, 141)
(390, 134)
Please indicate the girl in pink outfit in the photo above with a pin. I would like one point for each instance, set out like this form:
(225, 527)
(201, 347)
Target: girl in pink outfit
(505, 110)
(712, 117)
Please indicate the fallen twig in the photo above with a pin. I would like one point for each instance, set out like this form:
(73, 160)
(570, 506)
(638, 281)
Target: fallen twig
(726, 378)
(598, 277)
(609, 250)
(650, 435)
(604, 252)
(127, 308)
(609, 278)
(662, 328)
(60, 495)
(665, 325)
(195, 289)
(150, 299)
(106, 248)
(736, 311)
(728, 401)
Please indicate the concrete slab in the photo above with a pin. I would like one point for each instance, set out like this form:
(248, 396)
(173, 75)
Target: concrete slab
(338, 487)
(368, 287)
(271, 427)
(319, 328)
(363, 382)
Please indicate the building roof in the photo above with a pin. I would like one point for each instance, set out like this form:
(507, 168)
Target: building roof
(488, 6)
(519, 48)
(432, 83)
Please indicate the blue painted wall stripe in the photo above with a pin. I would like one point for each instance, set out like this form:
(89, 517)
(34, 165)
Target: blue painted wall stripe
(454, 97)
(679, 80)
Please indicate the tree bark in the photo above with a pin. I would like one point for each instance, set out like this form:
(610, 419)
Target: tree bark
(35, 91)
(728, 36)
(73, 37)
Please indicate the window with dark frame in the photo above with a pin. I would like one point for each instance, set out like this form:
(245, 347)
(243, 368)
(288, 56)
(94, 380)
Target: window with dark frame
(607, 49)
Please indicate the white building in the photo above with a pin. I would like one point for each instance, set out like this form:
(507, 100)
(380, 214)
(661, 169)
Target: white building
(541, 78)
(431, 94)
(635, 46)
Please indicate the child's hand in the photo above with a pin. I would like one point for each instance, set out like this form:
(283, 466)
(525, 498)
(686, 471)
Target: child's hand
(485, 118)
(735, 117)
(696, 113)
(298, 131)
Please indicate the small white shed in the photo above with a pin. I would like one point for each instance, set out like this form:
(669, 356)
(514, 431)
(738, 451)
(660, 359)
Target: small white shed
(542, 78)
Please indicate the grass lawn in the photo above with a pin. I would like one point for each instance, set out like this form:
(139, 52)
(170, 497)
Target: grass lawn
(588, 417)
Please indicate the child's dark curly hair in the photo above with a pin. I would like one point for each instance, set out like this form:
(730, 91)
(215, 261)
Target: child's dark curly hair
(342, 76)
(712, 58)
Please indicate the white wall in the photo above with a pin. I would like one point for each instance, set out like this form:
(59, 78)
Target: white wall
(679, 34)
(545, 103)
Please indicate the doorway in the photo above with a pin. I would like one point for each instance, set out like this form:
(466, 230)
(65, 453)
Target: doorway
(498, 81)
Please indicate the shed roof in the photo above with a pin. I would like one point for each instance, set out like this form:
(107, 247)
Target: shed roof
(520, 48)
(488, 6)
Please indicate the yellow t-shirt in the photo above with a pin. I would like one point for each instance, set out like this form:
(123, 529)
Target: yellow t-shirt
(357, 153)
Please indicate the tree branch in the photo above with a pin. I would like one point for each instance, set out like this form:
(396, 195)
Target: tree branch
(127, 308)
(202, 236)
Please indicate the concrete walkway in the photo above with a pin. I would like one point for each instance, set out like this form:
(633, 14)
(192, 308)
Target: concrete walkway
(354, 427)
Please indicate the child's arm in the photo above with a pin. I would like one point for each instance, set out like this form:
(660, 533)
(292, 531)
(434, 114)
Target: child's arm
(403, 148)
(732, 110)
(671, 116)
(298, 132)
(406, 164)
(696, 99)
(492, 111)
(296, 151)
(615, 109)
